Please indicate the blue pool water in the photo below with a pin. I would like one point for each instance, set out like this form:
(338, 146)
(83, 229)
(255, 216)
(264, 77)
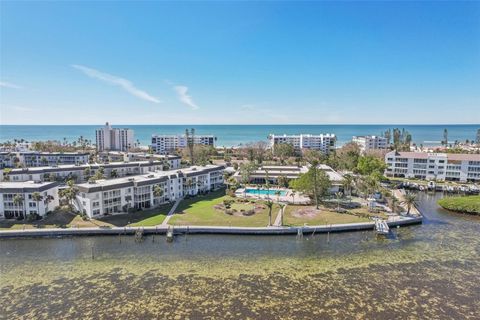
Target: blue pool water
(265, 192)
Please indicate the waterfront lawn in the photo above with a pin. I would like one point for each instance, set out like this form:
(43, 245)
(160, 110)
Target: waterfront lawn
(59, 219)
(321, 217)
(144, 218)
(466, 204)
(200, 210)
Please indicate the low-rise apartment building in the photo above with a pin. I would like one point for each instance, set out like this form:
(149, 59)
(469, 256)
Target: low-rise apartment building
(20, 199)
(172, 161)
(162, 144)
(367, 143)
(82, 173)
(433, 166)
(37, 159)
(146, 191)
(273, 173)
(324, 143)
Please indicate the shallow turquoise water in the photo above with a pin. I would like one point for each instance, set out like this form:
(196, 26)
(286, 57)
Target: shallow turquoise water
(427, 271)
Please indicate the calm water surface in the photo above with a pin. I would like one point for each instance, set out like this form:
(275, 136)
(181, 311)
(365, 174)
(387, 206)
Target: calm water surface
(425, 271)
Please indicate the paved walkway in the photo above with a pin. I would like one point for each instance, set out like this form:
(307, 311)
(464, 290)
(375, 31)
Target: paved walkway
(278, 219)
(171, 212)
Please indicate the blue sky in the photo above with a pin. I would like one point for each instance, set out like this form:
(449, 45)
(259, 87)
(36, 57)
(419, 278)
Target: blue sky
(239, 62)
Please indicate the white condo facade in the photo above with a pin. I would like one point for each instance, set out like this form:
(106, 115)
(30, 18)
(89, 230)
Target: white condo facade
(37, 159)
(322, 142)
(162, 144)
(82, 173)
(25, 191)
(119, 139)
(118, 195)
(367, 143)
(433, 166)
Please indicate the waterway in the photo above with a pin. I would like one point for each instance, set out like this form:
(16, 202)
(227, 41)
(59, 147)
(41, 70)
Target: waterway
(419, 272)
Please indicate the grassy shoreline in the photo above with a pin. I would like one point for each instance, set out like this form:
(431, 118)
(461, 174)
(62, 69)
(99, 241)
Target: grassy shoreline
(466, 204)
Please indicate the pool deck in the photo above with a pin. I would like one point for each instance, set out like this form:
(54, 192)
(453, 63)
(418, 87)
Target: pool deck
(117, 231)
(286, 198)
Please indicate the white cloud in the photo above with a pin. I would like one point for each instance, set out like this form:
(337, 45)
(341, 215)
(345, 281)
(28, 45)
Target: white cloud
(10, 85)
(184, 97)
(117, 81)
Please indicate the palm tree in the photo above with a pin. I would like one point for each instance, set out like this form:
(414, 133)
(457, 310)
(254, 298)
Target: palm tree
(293, 197)
(269, 204)
(113, 173)
(282, 212)
(36, 196)
(18, 200)
(278, 193)
(394, 203)
(339, 195)
(348, 183)
(410, 200)
(157, 191)
(128, 198)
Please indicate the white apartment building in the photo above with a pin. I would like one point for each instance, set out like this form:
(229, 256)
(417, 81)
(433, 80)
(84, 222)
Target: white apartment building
(82, 173)
(11, 191)
(162, 144)
(433, 166)
(173, 161)
(119, 195)
(37, 159)
(120, 139)
(322, 142)
(367, 143)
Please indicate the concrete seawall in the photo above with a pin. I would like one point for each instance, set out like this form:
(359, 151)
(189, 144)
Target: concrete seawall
(32, 233)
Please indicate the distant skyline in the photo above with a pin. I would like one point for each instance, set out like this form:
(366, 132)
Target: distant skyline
(239, 62)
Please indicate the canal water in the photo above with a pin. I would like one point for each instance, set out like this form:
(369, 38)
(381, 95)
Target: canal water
(425, 271)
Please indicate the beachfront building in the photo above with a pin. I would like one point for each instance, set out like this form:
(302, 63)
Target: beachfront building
(7, 159)
(142, 191)
(82, 173)
(433, 166)
(322, 142)
(163, 144)
(172, 161)
(20, 199)
(367, 143)
(119, 139)
(275, 173)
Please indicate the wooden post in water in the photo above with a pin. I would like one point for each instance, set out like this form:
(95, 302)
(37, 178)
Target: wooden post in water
(93, 253)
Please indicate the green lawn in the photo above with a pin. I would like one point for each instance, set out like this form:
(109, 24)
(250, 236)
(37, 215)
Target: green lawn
(200, 211)
(321, 218)
(468, 204)
(142, 218)
(59, 219)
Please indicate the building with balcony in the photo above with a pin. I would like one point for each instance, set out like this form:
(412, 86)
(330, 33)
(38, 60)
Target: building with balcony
(119, 139)
(324, 143)
(150, 190)
(367, 143)
(163, 144)
(20, 199)
(433, 166)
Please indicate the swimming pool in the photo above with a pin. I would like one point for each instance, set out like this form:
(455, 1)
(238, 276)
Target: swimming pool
(270, 192)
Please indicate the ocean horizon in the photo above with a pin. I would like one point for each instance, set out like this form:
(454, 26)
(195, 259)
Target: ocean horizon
(237, 134)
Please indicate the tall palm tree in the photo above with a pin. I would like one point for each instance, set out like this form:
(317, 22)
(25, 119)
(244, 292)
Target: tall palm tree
(278, 193)
(18, 200)
(410, 200)
(293, 197)
(348, 184)
(269, 204)
(394, 203)
(157, 191)
(36, 196)
(282, 212)
(339, 195)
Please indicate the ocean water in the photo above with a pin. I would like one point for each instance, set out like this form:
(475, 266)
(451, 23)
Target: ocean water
(234, 135)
